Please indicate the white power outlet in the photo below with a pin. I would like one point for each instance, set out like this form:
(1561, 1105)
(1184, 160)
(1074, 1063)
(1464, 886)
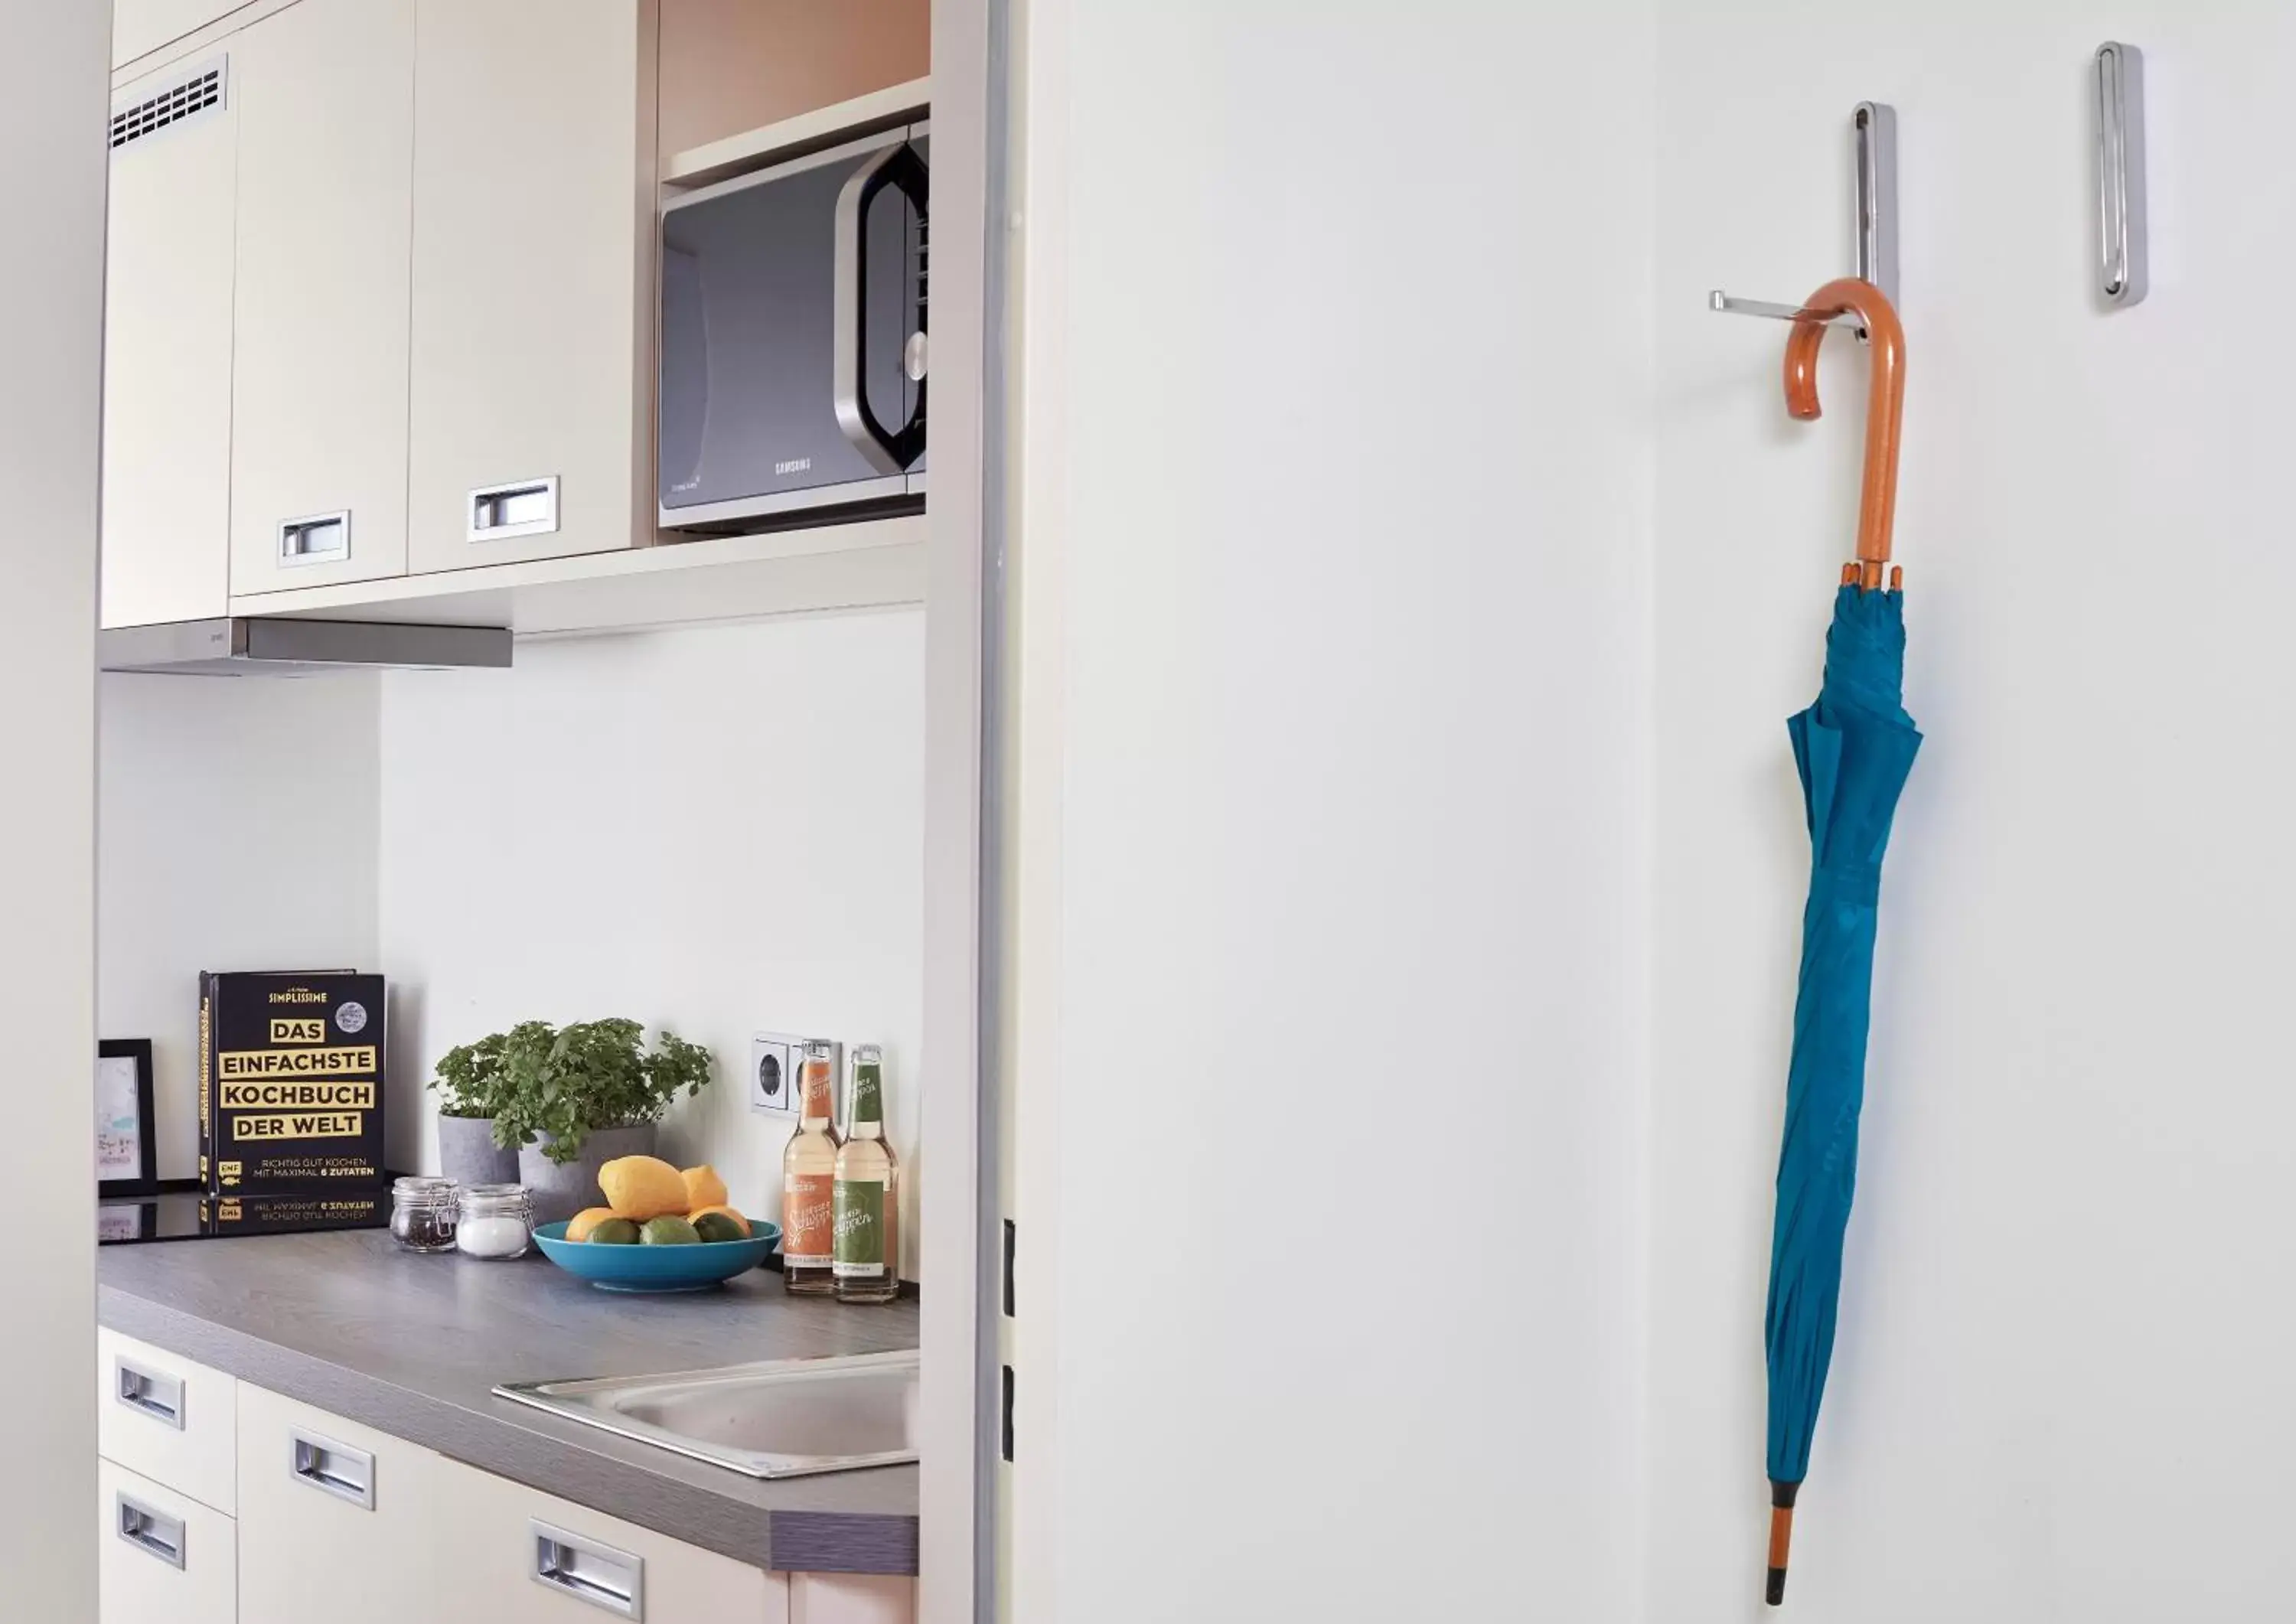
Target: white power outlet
(774, 1058)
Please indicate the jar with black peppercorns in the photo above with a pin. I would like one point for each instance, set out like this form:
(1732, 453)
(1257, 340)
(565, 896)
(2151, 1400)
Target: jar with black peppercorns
(422, 1213)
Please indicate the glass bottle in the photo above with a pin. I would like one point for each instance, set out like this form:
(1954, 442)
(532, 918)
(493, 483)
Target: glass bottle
(867, 1191)
(808, 1173)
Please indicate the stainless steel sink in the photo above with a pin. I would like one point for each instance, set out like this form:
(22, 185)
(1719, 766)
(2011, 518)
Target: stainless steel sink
(783, 1418)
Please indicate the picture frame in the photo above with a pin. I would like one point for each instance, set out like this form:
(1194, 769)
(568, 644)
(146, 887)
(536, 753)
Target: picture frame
(126, 1151)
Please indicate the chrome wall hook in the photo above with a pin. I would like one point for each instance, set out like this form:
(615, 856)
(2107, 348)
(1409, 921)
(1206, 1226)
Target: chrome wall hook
(1874, 128)
(2120, 173)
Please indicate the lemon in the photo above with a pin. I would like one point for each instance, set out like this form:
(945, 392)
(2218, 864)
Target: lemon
(642, 1187)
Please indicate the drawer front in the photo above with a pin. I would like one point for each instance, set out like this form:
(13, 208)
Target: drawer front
(334, 1519)
(167, 1418)
(514, 1555)
(163, 1557)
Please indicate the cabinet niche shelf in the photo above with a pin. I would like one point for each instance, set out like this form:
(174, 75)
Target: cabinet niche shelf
(870, 564)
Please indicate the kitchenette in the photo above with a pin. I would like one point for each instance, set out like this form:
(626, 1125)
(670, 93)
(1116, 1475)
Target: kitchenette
(515, 811)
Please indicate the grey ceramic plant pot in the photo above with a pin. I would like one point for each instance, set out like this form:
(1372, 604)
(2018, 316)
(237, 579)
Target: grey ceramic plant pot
(467, 1154)
(562, 1192)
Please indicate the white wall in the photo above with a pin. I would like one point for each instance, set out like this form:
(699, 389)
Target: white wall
(237, 828)
(52, 180)
(2060, 1387)
(717, 829)
(1331, 856)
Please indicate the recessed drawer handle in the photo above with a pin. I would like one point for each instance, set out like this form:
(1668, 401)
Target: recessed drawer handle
(149, 1393)
(337, 1469)
(316, 538)
(524, 507)
(150, 1532)
(588, 1571)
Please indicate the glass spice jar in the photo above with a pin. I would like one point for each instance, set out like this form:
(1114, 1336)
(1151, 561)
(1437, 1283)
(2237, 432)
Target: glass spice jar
(496, 1221)
(422, 1214)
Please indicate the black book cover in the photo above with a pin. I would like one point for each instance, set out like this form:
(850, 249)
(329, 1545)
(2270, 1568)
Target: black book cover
(291, 1083)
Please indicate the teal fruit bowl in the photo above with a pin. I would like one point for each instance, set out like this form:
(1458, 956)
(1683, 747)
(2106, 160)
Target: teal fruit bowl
(658, 1268)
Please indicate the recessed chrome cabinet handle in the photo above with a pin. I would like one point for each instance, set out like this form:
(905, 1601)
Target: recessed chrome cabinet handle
(588, 1571)
(889, 450)
(2121, 271)
(333, 1468)
(149, 1392)
(150, 1531)
(316, 538)
(522, 507)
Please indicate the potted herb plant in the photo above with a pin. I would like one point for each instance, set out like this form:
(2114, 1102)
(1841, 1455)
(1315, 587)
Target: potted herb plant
(574, 1099)
(470, 1083)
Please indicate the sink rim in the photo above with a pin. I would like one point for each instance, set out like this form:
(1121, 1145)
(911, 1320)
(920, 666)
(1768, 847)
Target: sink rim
(573, 1398)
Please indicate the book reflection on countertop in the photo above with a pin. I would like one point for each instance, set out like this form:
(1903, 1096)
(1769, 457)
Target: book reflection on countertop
(186, 1215)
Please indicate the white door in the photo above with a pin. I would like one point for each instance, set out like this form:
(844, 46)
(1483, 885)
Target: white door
(533, 326)
(318, 463)
(51, 186)
(167, 345)
(334, 1519)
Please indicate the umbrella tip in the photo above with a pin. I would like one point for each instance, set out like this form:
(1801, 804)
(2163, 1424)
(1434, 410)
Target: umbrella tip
(1781, 1503)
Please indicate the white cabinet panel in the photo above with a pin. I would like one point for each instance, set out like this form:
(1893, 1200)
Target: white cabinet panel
(167, 348)
(167, 1418)
(533, 288)
(852, 1598)
(141, 26)
(334, 1519)
(325, 95)
(487, 1560)
(161, 1557)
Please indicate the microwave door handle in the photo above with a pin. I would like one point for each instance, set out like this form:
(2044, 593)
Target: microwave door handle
(889, 450)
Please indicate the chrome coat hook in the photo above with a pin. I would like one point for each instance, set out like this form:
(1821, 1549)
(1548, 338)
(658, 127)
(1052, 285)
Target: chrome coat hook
(2120, 173)
(1873, 127)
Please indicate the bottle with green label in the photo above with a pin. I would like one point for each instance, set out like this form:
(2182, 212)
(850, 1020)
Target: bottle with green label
(866, 1191)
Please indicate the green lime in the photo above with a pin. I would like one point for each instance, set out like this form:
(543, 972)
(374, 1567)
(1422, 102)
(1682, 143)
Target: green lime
(719, 1227)
(615, 1232)
(666, 1232)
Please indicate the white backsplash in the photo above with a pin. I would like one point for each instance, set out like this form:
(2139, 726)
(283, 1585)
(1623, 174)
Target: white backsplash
(721, 829)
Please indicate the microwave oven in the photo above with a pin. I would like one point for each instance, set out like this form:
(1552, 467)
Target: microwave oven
(792, 341)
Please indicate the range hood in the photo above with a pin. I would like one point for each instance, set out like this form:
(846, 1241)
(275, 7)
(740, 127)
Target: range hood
(267, 647)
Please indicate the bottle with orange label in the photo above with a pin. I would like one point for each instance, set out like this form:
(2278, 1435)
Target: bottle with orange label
(808, 1178)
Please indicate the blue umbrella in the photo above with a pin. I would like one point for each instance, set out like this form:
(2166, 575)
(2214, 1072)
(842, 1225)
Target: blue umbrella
(1854, 749)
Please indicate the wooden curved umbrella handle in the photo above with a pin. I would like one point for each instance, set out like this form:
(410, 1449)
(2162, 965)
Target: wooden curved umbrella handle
(1885, 402)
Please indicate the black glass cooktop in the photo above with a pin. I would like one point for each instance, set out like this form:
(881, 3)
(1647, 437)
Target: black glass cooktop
(186, 1215)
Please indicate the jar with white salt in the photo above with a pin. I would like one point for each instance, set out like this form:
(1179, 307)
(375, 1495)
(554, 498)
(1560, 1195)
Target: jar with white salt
(495, 1221)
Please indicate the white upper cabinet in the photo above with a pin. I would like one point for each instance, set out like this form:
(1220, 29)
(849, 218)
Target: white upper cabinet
(167, 348)
(140, 27)
(533, 289)
(319, 389)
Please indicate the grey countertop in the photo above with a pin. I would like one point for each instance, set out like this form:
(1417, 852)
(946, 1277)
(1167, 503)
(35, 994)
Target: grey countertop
(412, 1346)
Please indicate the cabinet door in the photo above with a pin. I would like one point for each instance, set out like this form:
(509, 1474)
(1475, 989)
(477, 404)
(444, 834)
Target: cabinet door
(166, 346)
(143, 26)
(531, 427)
(318, 462)
(852, 1598)
(161, 1558)
(334, 1519)
(513, 1555)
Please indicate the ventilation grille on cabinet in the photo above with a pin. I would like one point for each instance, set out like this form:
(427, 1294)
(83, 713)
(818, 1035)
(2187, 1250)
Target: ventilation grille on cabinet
(187, 98)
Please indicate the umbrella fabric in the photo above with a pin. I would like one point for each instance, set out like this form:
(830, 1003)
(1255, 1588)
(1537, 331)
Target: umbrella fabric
(1854, 749)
